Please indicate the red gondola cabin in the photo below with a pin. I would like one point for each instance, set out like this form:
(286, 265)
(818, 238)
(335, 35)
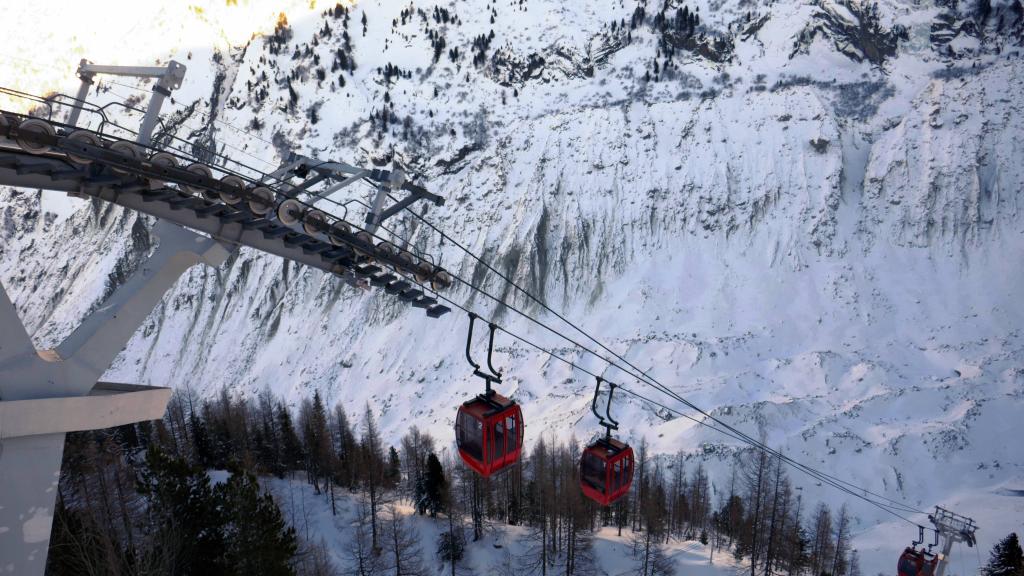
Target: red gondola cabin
(606, 470)
(489, 433)
(915, 562)
(910, 563)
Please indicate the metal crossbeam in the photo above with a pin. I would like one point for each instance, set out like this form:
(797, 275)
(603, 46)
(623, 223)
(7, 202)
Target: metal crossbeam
(168, 77)
(398, 207)
(387, 182)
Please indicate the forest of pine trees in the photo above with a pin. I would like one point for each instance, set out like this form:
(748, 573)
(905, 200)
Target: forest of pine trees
(138, 500)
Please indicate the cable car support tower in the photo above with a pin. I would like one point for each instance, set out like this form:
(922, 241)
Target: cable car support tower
(201, 219)
(951, 528)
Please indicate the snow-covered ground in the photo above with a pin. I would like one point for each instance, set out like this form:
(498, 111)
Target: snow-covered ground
(502, 546)
(815, 238)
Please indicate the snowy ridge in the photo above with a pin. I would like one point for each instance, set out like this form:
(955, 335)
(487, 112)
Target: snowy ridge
(810, 241)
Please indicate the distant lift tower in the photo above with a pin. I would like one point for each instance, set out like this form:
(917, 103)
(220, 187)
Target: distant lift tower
(950, 528)
(46, 393)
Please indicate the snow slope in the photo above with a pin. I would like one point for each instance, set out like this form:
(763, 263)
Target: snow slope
(810, 223)
(501, 545)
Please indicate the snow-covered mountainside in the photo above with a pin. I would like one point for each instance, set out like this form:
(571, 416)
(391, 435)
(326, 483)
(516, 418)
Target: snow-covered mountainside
(805, 216)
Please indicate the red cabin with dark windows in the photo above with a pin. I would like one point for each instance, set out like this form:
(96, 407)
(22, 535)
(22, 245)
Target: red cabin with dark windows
(606, 470)
(489, 433)
(914, 562)
(911, 563)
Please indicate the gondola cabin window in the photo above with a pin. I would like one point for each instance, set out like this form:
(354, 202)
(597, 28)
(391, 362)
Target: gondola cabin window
(471, 435)
(593, 471)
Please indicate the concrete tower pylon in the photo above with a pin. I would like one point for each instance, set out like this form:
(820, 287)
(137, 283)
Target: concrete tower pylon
(46, 393)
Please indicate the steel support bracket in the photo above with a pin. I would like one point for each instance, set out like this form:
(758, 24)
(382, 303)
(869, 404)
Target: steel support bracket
(168, 78)
(47, 393)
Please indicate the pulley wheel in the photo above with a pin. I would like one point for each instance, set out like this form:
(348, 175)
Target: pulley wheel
(423, 271)
(387, 249)
(37, 127)
(290, 212)
(441, 280)
(163, 160)
(408, 260)
(238, 187)
(262, 200)
(128, 151)
(160, 161)
(314, 222)
(366, 239)
(339, 232)
(199, 170)
(81, 138)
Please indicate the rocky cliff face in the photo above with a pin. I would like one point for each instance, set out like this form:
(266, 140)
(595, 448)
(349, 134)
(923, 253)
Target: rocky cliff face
(804, 216)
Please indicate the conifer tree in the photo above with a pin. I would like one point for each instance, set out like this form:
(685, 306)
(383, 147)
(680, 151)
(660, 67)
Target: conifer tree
(256, 538)
(1006, 558)
(266, 440)
(185, 517)
(200, 440)
(433, 487)
(393, 472)
(291, 448)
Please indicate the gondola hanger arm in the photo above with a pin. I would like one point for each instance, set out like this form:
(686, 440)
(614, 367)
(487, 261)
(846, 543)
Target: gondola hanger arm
(469, 342)
(608, 407)
(593, 403)
(490, 350)
(492, 377)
